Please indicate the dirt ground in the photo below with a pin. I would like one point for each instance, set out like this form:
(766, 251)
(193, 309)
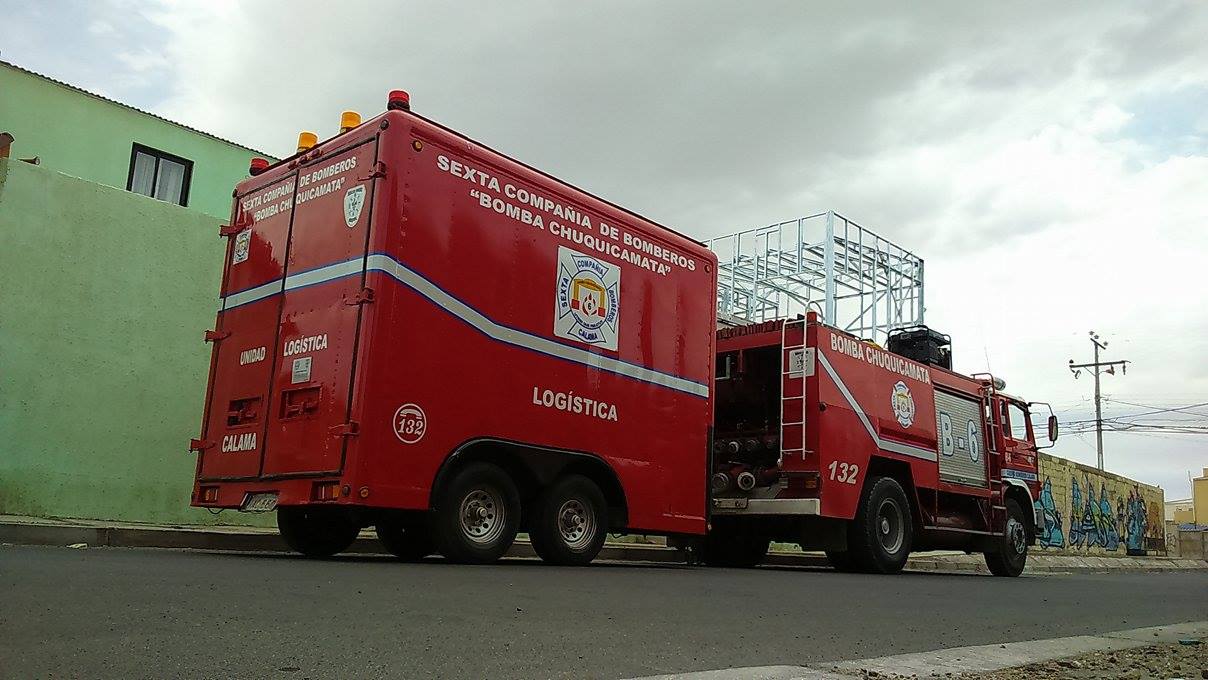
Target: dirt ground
(1159, 662)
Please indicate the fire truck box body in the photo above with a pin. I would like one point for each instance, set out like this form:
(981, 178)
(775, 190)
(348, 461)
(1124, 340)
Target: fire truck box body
(399, 295)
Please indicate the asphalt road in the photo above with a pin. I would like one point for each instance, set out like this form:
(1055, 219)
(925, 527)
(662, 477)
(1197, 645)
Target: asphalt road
(158, 613)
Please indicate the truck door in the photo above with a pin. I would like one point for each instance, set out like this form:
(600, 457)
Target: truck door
(1020, 443)
(323, 298)
(245, 333)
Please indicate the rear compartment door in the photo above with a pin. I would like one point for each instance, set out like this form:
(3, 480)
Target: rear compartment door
(324, 295)
(246, 331)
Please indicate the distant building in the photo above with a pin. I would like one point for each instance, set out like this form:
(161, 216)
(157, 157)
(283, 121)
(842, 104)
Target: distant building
(86, 135)
(1180, 512)
(1199, 498)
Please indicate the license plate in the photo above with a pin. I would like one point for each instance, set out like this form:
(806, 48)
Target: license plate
(260, 502)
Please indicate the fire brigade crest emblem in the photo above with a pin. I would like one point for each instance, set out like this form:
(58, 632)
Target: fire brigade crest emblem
(354, 200)
(587, 306)
(903, 404)
(243, 245)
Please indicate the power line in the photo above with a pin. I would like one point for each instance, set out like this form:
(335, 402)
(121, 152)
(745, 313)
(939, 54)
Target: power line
(1158, 409)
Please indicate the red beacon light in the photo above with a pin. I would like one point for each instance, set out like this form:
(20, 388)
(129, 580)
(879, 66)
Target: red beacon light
(398, 100)
(257, 166)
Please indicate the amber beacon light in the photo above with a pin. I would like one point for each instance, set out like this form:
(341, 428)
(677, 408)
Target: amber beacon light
(349, 120)
(307, 141)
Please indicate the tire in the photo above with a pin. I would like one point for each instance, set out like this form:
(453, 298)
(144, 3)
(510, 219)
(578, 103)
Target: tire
(570, 522)
(840, 561)
(477, 515)
(879, 538)
(729, 546)
(1012, 554)
(316, 531)
(408, 542)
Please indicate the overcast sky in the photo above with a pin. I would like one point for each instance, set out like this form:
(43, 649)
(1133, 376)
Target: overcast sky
(1048, 160)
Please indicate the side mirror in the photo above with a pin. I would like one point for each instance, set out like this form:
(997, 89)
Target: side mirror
(1052, 423)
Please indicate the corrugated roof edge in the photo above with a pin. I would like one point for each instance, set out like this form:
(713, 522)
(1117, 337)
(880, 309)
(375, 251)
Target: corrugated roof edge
(132, 108)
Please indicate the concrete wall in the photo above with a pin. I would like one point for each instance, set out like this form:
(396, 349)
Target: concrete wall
(1193, 543)
(104, 296)
(1088, 511)
(88, 137)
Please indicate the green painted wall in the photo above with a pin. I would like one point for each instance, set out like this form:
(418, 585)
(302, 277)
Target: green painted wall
(104, 296)
(81, 135)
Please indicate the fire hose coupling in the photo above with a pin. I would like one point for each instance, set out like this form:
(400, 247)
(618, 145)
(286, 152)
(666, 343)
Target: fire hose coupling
(720, 482)
(745, 480)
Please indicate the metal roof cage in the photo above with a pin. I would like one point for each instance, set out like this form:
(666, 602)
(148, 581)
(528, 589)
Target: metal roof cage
(857, 280)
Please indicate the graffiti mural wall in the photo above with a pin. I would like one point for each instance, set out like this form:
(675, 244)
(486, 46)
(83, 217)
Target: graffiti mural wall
(1088, 511)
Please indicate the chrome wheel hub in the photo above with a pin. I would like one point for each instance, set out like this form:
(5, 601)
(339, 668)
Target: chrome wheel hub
(891, 526)
(1017, 535)
(576, 524)
(482, 515)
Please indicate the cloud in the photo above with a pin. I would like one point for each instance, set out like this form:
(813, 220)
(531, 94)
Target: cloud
(1048, 161)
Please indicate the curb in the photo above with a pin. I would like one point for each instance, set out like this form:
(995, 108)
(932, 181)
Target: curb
(957, 661)
(135, 536)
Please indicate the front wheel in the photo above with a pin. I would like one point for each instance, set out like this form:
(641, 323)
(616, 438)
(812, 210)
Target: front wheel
(477, 515)
(880, 536)
(316, 532)
(1012, 553)
(570, 522)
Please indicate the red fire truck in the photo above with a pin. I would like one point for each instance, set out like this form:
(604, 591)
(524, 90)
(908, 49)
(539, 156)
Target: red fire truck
(422, 335)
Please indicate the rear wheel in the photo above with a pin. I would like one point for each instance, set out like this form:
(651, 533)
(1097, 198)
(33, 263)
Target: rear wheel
(570, 522)
(879, 538)
(1012, 553)
(477, 515)
(408, 542)
(730, 545)
(316, 531)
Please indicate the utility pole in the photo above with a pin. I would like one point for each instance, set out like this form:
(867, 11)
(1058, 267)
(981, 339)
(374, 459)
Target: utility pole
(1097, 367)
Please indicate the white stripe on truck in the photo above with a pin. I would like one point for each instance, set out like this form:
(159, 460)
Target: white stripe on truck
(408, 277)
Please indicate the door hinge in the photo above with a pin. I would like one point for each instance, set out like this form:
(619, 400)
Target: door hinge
(215, 336)
(200, 444)
(379, 170)
(349, 429)
(363, 296)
